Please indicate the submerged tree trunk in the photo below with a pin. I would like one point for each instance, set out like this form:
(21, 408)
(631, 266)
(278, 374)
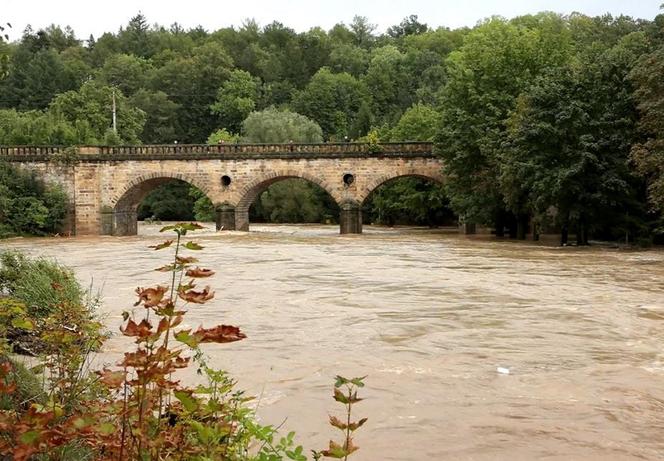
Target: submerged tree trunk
(536, 231)
(582, 232)
(522, 226)
(499, 224)
(564, 230)
(513, 230)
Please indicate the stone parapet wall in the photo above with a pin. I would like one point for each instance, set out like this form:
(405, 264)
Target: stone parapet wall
(218, 151)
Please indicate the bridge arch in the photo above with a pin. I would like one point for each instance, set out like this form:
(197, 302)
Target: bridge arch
(375, 183)
(249, 193)
(119, 216)
(433, 176)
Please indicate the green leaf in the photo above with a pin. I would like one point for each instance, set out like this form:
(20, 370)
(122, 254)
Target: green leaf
(356, 425)
(192, 246)
(189, 402)
(30, 437)
(189, 226)
(204, 433)
(359, 382)
(340, 397)
(79, 423)
(107, 428)
(23, 324)
(185, 337)
(335, 451)
(340, 381)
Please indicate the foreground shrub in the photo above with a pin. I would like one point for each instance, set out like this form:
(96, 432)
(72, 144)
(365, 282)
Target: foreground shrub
(40, 283)
(27, 386)
(28, 205)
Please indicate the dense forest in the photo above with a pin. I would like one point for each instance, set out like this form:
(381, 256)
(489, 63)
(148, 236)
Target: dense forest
(549, 121)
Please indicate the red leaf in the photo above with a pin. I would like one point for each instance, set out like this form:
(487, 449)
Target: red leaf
(112, 379)
(186, 260)
(141, 330)
(181, 362)
(135, 359)
(163, 325)
(336, 422)
(197, 297)
(199, 272)
(150, 296)
(219, 334)
(160, 246)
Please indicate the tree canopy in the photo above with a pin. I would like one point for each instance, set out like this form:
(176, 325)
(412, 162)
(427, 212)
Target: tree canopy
(550, 119)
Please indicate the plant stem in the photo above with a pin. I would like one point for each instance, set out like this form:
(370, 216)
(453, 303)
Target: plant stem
(350, 393)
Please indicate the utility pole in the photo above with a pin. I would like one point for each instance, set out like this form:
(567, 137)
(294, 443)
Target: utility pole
(115, 127)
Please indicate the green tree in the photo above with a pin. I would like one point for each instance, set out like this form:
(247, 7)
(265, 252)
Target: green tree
(418, 123)
(290, 200)
(222, 136)
(135, 38)
(168, 202)
(4, 53)
(386, 83)
(423, 64)
(648, 155)
(278, 126)
(568, 147)
(346, 57)
(126, 72)
(315, 48)
(161, 116)
(42, 128)
(496, 63)
(363, 31)
(333, 101)
(409, 26)
(412, 201)
(93, 103)
(236, 99)
(295, 200)
(192, 83)
(36, 75)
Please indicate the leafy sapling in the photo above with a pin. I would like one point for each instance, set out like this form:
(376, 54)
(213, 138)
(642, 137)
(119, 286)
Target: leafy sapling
(345, 392)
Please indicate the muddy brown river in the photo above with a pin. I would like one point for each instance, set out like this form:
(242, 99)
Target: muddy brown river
(429, 317)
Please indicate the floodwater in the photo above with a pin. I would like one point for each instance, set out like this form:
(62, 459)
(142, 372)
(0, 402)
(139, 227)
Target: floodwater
(429, 317)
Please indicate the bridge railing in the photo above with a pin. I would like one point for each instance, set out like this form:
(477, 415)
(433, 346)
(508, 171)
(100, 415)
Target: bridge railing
(216, 150)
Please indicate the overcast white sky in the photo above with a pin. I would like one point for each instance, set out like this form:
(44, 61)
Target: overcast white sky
(98, 16)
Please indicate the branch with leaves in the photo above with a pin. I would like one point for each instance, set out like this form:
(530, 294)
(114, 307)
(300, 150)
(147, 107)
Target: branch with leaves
(345, 392)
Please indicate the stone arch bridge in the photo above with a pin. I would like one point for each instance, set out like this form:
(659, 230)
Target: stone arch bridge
(106, 184)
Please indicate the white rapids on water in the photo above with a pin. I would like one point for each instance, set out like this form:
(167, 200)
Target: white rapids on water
(432, 318)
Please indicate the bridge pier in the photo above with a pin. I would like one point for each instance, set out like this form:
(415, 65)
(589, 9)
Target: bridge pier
(120, 223)
(468, 228)
(225, 217)
(242, 219)
(350, 218)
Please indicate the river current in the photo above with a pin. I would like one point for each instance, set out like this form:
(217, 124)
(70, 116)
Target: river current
(474, 348)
